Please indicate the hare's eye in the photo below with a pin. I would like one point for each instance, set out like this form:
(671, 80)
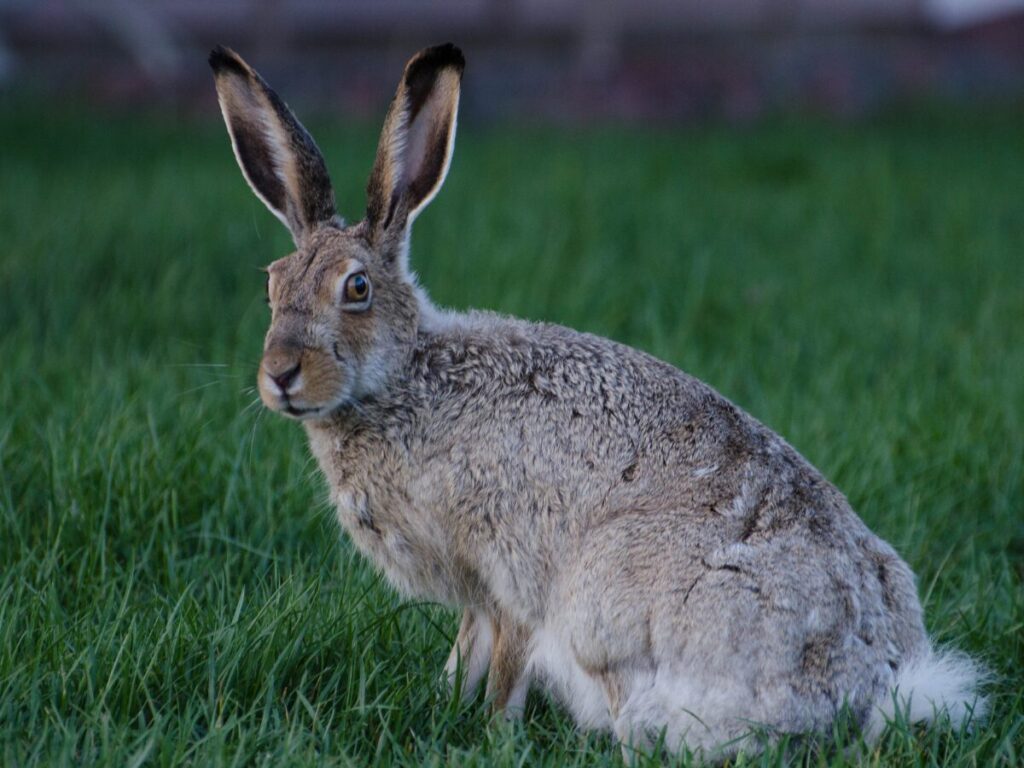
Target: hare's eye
(357, 288)
(266, 291)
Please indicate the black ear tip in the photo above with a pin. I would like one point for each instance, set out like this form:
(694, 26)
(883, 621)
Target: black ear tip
(439, 56)
(453, 55)
(223, 59)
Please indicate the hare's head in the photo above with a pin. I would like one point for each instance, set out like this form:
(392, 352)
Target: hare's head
(344, 307)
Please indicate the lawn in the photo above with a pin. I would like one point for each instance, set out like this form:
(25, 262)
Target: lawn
(173, 587)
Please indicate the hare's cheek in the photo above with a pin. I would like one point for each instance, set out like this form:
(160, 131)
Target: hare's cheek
(325, 378)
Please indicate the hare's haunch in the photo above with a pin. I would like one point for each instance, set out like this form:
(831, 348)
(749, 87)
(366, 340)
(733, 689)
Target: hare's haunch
(614, 529)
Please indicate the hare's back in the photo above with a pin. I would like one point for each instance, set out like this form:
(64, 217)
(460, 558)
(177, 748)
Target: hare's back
(697, 520)
(595, 414)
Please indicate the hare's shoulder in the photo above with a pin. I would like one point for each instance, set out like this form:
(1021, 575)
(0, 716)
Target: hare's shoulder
(497, 367)
(577, 390)
(621, 430)
(487, 351)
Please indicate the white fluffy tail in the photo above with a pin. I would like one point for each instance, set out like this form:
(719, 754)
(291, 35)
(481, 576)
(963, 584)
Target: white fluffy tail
(942, 684)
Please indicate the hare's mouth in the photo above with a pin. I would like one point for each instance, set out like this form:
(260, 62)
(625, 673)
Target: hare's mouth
(302, 412)
(287, 407)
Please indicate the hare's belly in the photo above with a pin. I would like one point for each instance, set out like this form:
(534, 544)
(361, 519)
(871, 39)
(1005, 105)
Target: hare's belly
(554, 666)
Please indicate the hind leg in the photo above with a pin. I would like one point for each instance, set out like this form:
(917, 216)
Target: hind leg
(638, 720)
(655, 713)
(634, 743)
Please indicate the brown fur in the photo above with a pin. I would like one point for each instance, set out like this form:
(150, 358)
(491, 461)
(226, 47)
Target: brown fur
(506, 679)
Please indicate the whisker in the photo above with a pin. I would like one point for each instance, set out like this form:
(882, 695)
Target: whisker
(252, 434)
(256, 403)
(201, 386)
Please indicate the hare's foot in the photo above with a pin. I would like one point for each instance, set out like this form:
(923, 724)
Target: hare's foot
(508, 681)
(657, 713)
(471, 652)
(635, 743)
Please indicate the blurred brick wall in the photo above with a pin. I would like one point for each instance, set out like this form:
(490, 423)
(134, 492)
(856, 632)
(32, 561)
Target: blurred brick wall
(534, 59)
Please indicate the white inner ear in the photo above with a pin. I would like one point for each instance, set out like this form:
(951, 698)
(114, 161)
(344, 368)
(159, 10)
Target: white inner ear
(240, 99)
(430, 120)
(283, 159)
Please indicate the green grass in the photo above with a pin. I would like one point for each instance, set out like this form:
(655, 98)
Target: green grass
(172, 585)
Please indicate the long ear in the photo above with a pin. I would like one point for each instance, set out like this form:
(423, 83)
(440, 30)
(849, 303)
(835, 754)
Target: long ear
(415, 147)
(277, 155)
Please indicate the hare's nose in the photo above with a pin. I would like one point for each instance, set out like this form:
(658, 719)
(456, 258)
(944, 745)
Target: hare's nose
(282, 369)
(284, 380)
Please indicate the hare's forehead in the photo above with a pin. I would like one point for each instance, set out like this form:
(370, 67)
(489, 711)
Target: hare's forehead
(313, 266)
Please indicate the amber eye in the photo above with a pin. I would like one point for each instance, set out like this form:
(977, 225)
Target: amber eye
(357, 287)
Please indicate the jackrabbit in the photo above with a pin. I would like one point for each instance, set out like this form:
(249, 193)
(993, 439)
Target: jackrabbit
(614, 529)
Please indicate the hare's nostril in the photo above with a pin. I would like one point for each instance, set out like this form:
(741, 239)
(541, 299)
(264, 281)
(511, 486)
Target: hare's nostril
(285, 378)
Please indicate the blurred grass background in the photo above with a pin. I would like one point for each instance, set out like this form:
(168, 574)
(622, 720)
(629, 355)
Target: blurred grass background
(173, 587)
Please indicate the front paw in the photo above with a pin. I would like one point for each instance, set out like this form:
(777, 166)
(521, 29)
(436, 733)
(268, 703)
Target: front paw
(471, 653)
(508, 679)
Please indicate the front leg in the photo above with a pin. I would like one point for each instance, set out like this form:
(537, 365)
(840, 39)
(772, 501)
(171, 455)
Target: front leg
(508, 681)
(471, 652)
